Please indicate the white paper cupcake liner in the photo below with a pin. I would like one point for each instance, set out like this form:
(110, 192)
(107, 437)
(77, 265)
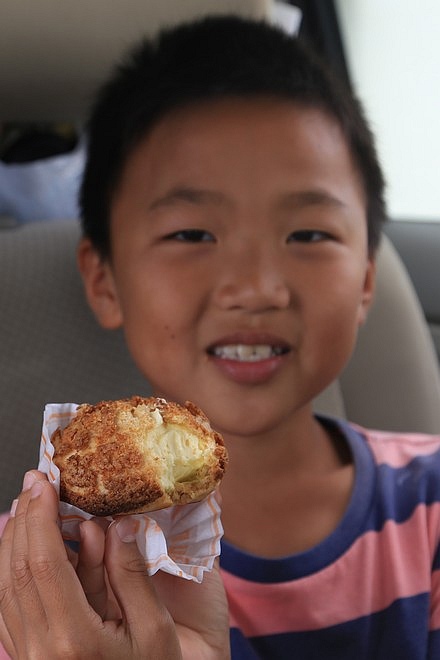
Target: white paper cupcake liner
(182, 540)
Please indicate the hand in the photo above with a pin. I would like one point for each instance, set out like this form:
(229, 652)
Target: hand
(107, 607)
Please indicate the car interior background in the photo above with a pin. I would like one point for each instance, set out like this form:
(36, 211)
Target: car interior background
(52, 57)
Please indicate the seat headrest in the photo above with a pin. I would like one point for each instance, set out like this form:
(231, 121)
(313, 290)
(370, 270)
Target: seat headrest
(53, 54)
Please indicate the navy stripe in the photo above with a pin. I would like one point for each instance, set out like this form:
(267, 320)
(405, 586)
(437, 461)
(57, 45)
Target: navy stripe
(241, 648)
(397, 633)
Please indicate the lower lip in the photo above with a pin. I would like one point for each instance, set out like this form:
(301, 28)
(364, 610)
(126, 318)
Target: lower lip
(250, 373)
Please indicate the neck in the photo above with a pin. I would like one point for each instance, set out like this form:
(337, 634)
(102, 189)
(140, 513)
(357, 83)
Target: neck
(299, 445)
(284, 491)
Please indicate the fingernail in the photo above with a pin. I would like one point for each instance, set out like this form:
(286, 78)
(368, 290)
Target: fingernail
(13, 508)
(36, 489)
(28, 480)
(126, 529)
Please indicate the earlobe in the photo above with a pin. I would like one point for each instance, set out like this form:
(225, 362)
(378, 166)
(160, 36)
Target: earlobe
(99, 285)
(367, 291)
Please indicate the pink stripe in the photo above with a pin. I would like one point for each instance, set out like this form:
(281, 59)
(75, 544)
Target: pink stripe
(435, 601)
(398, 453)
(379, 568)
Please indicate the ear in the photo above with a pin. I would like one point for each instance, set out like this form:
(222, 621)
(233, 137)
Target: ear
(367, 291)
(99, 285)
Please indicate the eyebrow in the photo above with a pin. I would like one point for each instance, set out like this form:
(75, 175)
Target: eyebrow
(188, 195)
(198, 197)
(304, 198)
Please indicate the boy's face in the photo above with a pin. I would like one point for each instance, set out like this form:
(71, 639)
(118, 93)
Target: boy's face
(240, 267)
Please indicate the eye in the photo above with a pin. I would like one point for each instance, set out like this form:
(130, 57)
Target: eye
(309, 236)
(191, 236)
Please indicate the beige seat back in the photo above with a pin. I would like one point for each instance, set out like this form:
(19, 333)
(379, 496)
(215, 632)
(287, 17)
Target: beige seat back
(51, 348)
(392, 381)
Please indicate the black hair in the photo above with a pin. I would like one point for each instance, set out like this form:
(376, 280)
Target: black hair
(213, 58)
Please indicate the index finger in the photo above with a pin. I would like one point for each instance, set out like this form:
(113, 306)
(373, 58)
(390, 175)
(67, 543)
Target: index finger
(19, 597)
(55, 579)
(9, 611)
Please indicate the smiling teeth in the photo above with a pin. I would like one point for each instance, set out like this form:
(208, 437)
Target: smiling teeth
(246, 353)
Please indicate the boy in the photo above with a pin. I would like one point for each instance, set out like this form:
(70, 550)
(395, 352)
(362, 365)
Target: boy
(232, 205)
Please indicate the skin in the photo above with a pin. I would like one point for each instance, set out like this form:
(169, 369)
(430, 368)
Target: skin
(236, 224)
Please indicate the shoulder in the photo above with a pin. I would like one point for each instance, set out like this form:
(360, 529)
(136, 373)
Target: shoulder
(406, 485)
(398, 450)
(407, 468)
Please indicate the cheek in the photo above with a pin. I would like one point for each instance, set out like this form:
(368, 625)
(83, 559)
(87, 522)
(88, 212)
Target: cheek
(339, 331)
(337, 314)
(154, 323)
(154, 350)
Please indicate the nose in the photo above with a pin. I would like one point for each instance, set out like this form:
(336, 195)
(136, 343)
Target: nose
(252, 280)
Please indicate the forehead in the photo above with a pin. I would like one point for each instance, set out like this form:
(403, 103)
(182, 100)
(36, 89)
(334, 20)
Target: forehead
(250, 140)
(209, 118)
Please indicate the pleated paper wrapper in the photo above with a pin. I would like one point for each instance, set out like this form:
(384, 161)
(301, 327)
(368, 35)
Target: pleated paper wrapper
(183, 540)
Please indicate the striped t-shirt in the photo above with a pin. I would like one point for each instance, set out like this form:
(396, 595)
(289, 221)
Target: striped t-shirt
(371, 590)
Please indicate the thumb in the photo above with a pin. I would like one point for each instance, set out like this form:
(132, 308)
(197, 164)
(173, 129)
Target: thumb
(145, 616)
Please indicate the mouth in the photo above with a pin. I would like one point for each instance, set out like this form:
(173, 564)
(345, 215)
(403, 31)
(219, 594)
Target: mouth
(249, 358)
(247, 352)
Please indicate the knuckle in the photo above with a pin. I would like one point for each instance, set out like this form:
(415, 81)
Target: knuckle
(159, 633)
(72, 647)
(164, 623)
(5, 582)
(136, 566)
(20, 573)
(43, 569)
(34, 651)
(6, 597)
(68, 650)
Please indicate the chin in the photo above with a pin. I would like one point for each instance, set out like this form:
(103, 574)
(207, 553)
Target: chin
(245, 421)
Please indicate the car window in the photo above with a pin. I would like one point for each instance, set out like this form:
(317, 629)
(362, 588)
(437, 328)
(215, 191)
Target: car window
(393, 51)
